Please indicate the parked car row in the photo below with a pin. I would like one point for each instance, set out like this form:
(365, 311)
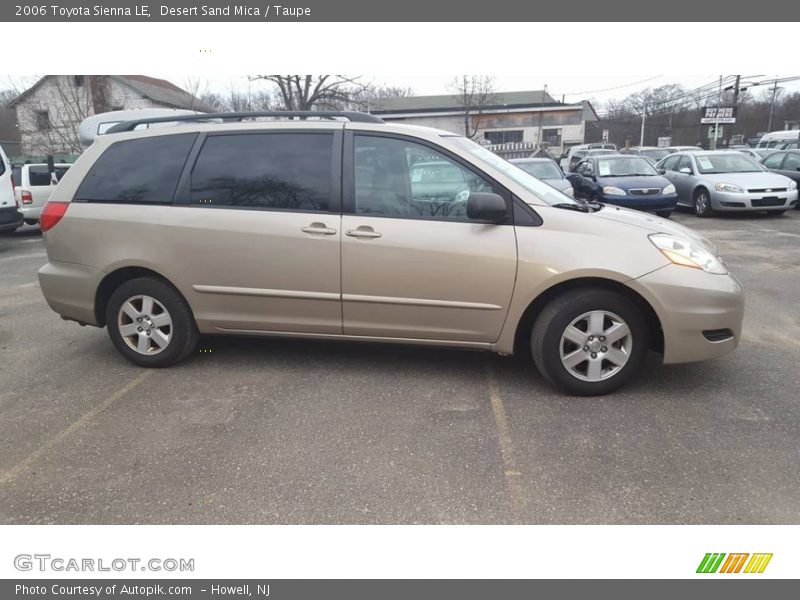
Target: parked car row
(24, 190)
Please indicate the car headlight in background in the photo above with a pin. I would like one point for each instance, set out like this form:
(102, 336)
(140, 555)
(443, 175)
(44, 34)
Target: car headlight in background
(682, 252)
(670, 189)
(610, 190)
(792, 185)
(728, 187)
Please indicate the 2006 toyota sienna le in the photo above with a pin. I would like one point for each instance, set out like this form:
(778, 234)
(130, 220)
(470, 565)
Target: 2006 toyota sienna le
(338, 225)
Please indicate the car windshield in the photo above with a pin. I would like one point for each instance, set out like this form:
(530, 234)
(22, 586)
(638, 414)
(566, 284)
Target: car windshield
(600, 152)
(542, 169)
(726, 163)
(624, 166)
(655, 153)
(538, 188)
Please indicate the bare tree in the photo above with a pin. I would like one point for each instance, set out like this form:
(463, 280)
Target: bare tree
(474, 93)
(312, 92)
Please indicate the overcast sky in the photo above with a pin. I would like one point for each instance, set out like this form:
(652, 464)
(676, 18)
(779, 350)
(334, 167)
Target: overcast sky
(600, 88)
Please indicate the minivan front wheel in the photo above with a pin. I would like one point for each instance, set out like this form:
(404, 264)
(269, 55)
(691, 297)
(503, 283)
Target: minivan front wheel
(589, 342)
(150, 323)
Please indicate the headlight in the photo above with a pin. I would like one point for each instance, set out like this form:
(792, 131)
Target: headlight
(570, 192)
(792, 185)
(670, 189)
(728, 187)
(613, 191)
(682, 252)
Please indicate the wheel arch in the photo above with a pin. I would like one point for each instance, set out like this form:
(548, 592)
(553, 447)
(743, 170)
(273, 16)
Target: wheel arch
(524, 325)
(116, 278)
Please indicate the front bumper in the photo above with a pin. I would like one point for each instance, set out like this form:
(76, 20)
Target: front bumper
(701, 314)
(725, 201)
(10, 219)
(646, 203)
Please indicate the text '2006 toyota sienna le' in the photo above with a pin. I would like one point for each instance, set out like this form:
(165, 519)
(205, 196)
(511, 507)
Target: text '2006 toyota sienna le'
(338, 225)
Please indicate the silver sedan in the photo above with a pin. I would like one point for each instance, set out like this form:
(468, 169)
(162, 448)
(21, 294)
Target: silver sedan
(727, 180)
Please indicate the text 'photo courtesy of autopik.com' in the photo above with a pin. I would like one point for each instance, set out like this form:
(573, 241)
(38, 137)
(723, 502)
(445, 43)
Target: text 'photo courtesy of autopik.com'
(505, 305)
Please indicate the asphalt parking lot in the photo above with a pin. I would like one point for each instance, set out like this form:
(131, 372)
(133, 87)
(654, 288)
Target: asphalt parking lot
(274, 431)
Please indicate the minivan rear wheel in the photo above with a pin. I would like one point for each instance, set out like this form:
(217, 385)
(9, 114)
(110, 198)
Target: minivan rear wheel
(589, 342)
(150, 323)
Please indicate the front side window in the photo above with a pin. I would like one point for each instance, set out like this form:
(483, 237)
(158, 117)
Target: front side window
(397, 178)
(280, 171)
(773, 161)
(792, 162)
(138, 171)
(670, 164)
(684, 162)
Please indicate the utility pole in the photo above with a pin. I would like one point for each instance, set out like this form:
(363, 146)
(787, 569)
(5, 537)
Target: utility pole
(735, 103)
(641, 133)
(772, 105)
(716, 122)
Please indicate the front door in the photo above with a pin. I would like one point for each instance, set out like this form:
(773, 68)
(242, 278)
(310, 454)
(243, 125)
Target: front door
(413, 264)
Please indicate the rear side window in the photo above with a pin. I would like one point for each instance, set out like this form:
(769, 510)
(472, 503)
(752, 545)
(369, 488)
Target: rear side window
(139, 171)
(40, 175)
(279, 171)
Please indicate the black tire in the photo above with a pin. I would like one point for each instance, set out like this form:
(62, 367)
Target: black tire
(183, 333)
(701, 203)
(552, 322)
(664, 214)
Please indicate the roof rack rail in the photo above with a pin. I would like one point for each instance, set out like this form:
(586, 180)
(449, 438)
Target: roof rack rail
(352, 116)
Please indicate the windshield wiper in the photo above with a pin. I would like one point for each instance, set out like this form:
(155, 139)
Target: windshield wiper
(570, 206)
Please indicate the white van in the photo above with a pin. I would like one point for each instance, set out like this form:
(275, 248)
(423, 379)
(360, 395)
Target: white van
(99, 124)
(787, 139)
(34, 184)
(10, 217)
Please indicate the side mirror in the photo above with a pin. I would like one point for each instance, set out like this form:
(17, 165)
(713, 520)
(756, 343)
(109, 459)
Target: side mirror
(661, 171)
(486, 207)
(686, 171)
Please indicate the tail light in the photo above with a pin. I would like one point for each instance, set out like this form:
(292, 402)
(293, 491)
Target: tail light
(52, 214)
(27, 197)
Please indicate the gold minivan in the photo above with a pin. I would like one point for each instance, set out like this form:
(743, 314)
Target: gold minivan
(340, 226)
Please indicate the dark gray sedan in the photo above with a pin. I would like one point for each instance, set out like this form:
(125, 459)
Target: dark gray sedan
(546, 170)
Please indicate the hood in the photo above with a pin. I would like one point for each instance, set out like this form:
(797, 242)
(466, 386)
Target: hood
(758, 180)
(560, 184)
(652, 224)
(626, 183)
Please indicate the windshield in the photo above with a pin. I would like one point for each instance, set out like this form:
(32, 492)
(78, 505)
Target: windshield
(600, 152)
(627, 166)
(544, 169)
(727, 163)
(436, 172)
(538, 188)
(655, 153)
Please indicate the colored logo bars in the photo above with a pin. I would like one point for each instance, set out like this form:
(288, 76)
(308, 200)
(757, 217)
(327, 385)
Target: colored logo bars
(734, 562)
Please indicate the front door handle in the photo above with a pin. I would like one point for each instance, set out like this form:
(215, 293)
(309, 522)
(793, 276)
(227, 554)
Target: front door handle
(319, 229)
(363, 232)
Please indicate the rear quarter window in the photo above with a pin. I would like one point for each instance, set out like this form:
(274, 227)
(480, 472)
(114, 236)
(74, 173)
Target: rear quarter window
(138, 171)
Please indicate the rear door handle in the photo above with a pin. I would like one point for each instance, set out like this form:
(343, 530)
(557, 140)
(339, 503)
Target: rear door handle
(319, 229)
(363, 232)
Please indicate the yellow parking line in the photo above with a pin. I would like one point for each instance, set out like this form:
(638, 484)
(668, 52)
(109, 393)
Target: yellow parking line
(507, 453)
(26, 462)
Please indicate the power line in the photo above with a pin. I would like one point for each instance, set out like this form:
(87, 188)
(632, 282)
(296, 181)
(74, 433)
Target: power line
(611, 89)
